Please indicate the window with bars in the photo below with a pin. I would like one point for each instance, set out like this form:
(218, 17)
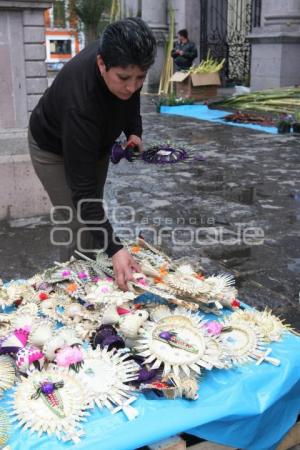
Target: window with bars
(60, 47)
(256, 13)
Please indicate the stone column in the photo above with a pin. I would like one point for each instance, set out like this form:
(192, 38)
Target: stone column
(23, 76)
(275, 57)
(23, 79)
(192, 23)
(155, 14)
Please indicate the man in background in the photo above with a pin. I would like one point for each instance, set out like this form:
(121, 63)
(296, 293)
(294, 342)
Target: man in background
(184, 51)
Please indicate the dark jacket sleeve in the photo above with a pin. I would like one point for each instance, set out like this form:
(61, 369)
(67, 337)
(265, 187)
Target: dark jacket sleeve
(81, 151)
(190, 51)
(134, 124)
(173, 52)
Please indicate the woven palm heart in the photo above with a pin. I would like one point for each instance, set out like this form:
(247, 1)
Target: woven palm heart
(157, 153)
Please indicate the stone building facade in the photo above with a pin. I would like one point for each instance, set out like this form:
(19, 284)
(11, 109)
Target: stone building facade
(271, 50)
(23, 77)
(276, 45)
(22, 59)
(275, 59)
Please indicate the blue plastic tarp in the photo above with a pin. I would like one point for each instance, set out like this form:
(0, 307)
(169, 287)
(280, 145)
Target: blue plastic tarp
(249, 407)
(202, 112)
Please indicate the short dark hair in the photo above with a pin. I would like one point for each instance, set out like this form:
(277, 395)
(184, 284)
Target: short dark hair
(128, 42)
(184, 33)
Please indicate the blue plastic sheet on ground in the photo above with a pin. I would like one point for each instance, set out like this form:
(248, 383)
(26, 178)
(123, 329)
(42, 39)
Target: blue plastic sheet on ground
(249, 407)
(202, 112)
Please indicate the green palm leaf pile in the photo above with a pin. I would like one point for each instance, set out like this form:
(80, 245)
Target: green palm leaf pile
(279, 101)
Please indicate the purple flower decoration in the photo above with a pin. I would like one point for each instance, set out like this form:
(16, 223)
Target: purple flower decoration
(146, 375)
(117, 153)
(47, 388)
(113, 341)
(102, 334)
(165, 335)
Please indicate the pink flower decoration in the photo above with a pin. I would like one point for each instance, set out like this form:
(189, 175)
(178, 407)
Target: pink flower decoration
(142, 282)
(66, 273)
(109, 279)
(213, 327)
(95, 279)
(27, 356)
(34, 354)
(27, 328)
(122, 311)
(104, 289)
(68, 356)
(82, 275)
(22, 335)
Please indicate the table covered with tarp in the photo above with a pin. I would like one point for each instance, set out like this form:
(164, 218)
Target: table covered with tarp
(249, 407)
(202, 112)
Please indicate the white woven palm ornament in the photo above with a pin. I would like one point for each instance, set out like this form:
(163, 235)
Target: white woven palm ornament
(105, 374)
(49, 307)
(244, 343)
(219, 283)
(145, 252)
(270, 326)
(178, 342)
(15, 292)
(5, 324)
(185, 282)
(51, 402)
(7, 374)
(105, 292)
(4, 428)
(26, 316)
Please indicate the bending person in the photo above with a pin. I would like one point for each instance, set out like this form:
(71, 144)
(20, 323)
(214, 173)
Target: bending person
(92, 100)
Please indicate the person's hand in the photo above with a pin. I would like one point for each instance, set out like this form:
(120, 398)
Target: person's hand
(181, 52)
(177, 52)
(135, 141)
(124, 265)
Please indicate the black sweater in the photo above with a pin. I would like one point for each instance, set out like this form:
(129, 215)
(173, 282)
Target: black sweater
(184, 61)
(79, 118)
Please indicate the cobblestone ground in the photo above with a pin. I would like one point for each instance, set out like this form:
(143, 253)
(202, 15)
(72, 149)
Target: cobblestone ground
(238, 211)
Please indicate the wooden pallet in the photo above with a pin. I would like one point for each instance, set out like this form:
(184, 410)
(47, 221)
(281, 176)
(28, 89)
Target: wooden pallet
(178, 443)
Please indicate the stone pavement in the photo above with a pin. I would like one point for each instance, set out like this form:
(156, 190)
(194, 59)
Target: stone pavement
(238, 212)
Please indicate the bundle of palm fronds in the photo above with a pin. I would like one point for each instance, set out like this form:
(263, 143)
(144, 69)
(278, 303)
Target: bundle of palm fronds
(279, 101)
(207, 65)
(115, 11)
(165, 85)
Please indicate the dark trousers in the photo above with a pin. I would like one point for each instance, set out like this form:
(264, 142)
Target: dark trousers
(50, 169)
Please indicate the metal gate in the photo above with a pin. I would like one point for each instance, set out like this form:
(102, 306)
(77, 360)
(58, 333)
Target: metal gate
(224, 26)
